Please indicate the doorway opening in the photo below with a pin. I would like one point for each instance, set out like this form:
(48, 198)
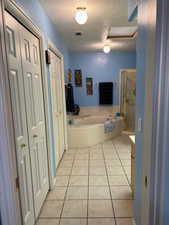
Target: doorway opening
(128, 98)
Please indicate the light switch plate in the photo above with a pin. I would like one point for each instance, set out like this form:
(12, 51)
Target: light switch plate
(139, 125)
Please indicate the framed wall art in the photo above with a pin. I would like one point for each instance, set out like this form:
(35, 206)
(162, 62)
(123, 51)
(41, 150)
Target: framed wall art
(78, 78)
(89, 86)
(69, 75)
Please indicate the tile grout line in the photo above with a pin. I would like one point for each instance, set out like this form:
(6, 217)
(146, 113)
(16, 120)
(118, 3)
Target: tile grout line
(67, 188)
(109, 185)
(59, 217)
(122, 167)
(121, 164)
(88, 187)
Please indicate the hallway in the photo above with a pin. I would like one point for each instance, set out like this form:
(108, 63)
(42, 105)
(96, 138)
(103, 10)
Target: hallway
(92, 187)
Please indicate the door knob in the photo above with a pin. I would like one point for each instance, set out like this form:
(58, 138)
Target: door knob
(23, 145)
(35, 135)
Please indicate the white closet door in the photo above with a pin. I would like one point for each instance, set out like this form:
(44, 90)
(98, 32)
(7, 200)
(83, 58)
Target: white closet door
(31, 64)
(57, 106)
(19, 117)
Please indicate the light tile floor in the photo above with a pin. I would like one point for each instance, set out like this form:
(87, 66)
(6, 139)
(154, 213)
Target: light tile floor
(92, 187)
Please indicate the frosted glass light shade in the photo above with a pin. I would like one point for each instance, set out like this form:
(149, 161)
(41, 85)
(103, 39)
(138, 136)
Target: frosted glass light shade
(106, 49)
(81, 17)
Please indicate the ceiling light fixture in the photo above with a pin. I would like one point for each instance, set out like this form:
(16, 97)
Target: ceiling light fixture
(106, 49)
(81, 16)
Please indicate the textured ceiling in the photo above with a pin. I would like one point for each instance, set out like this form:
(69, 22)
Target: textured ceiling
(103, 14)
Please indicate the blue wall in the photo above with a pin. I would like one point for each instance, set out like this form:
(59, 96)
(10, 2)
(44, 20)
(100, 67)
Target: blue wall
(102, 68)
(35, 11)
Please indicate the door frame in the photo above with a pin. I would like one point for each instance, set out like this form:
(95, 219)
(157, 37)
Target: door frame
(156, 108)
(160, 141)
(120, 80)
(10, 207)
(54, 49)
(145, 133)
(9, 200)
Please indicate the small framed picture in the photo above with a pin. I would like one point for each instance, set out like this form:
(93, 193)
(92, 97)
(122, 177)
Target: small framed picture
(78, 78)
(89, 86)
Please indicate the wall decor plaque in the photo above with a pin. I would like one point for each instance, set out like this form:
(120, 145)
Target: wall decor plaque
(69, 75)
(78, 78)
(89, 86)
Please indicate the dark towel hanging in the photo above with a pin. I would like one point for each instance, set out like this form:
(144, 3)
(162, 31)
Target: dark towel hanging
(106, 93)
(70, 106)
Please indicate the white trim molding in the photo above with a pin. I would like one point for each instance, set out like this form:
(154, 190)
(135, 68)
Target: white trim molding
(52, 47)
(20, 15)
(160, 140)
(9, 195)
(120, 79)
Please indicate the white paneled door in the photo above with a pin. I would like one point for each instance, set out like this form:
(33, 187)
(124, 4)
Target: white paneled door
(35, 115)
(24, 66)
(57, 105)
(20, 123)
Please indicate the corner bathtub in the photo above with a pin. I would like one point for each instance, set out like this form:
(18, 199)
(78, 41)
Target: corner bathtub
(89, 131)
